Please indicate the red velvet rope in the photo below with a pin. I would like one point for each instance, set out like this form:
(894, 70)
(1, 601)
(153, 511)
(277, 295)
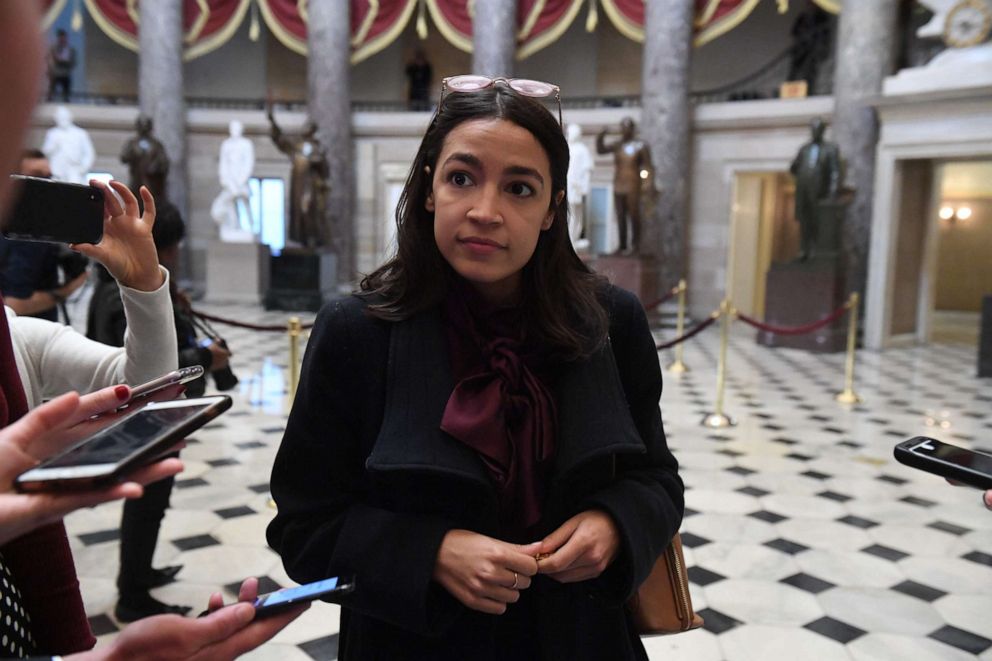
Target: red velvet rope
(241, 324)
(664, 299)
(703, 325)
(794, 330)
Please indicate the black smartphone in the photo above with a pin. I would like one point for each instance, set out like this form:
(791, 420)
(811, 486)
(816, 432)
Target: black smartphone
(282, 600)
(175, 377)
(55, 211)
(133, 441)
(948, 461)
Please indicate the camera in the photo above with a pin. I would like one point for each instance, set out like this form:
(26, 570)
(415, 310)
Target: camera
(224, 379)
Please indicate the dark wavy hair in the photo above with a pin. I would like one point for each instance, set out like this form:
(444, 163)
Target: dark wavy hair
(559, 298)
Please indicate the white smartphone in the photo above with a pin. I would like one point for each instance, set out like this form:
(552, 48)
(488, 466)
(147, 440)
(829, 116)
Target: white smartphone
(175, 377)
(135, 440)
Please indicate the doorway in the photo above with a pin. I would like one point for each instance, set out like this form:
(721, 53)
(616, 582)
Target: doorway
(943, 250)
(963, 262)
(763, 230)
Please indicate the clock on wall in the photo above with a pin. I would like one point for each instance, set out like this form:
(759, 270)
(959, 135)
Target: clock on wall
(968, 23)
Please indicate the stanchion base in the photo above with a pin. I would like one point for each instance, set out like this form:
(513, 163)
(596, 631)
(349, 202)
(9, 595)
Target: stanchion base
(849, 397)
(718, 421)
(678, 367)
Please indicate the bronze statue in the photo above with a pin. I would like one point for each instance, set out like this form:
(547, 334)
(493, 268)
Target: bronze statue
(630, 157)
(146, 159)
(308, 186)
(817, 171)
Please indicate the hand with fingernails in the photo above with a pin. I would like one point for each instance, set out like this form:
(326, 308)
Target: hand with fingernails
(127, 248)
(483, 573)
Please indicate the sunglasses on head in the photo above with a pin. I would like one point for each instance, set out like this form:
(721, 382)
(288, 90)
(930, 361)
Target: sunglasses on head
(471, 83)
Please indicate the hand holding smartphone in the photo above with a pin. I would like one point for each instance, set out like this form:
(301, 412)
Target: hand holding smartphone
(54, 211)
(174, 378)
(949, 461)
(279, 601)
(136, 439)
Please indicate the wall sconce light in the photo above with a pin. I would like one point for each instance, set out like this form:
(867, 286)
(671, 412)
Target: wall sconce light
(951, 214)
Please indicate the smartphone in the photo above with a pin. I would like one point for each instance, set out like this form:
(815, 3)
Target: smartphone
(54, 211)
(948, 461)
(282, 600)
(135, 440)
(175, 377)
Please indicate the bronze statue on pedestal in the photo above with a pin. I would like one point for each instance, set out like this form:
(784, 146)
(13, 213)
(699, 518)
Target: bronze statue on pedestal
(631, 157)
(817, 171)
(308, 184)
(146, 159)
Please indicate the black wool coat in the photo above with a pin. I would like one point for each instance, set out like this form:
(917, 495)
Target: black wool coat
(367, 484)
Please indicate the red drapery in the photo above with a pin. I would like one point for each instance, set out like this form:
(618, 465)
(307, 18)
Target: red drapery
(50, 9)
(539, 22)
(207, 24)
(374, 23)
(712, 17)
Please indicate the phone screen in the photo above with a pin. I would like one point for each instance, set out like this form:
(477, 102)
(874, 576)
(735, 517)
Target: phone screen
(298, 594)
(118, 442)
(56, 211)
(981, 463)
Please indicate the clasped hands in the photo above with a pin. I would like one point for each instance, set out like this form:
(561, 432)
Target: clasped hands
(486, 574)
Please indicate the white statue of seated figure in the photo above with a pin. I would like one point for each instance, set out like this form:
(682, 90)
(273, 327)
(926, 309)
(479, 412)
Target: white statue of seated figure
(237, 160)
(68, 148)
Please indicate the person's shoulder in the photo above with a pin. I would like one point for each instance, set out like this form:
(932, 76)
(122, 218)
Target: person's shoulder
(617, 300)
(351, 310)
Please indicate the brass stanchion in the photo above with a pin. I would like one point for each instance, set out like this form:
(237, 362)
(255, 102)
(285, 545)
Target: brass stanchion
(848, 396)
(295, 329)
(718, 419)
(677, 366)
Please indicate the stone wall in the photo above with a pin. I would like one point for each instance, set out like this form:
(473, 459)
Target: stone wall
(754, 136)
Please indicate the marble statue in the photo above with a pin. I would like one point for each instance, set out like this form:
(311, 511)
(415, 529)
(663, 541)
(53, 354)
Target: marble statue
(68, 148)
(817, 171)
(632, 161)
(235, 165)
(308, 184)
(579, 174)
(146, 159)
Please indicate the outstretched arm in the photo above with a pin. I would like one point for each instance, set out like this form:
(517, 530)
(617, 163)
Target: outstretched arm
(601, 147)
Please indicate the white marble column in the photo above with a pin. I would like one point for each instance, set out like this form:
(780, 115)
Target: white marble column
(160, 87)
(665, 119)
(865, 56)
(329, 99)
(494, 37)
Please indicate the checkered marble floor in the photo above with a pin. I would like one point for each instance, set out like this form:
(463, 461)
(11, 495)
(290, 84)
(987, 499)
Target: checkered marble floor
(805, 539)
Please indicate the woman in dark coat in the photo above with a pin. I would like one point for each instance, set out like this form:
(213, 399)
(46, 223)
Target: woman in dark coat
(476, 436)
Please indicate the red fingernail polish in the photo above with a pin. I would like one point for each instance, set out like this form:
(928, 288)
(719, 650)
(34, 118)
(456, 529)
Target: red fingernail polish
(121, 392)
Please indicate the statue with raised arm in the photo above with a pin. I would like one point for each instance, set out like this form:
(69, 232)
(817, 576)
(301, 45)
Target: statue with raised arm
(817, 171)
(68, 148)
(236, 163)
(631, 158)
(146, 160)
(579, 175)
(308, 184)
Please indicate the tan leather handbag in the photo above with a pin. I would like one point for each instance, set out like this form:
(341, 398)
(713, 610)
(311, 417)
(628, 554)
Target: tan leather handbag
(662, 604)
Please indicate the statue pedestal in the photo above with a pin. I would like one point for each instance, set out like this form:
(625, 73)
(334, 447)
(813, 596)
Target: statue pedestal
(237, 272)
(799, 293)
(985, 338)
(302, 279)
(634, 273)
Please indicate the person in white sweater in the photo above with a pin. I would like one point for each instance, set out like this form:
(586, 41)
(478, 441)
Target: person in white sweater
(53, 359)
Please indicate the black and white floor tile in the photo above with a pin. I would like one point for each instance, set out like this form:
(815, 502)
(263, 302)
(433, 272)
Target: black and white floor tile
(806, 540)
